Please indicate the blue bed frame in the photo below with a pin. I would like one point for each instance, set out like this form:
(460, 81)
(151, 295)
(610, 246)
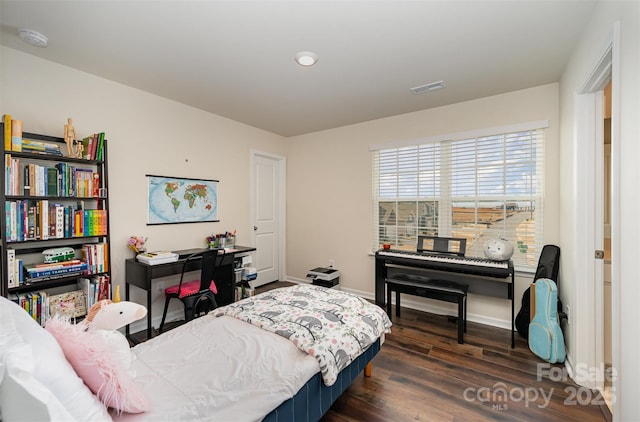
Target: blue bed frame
(313, 400)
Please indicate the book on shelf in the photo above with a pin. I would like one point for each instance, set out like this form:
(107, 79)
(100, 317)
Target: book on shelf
(35, 274)
(16, 135)
(100, 152)
(158, 257)
(70, 304)
(11, 268)
(19, 271)
(52, 181)
(56, 265)
(7, 132)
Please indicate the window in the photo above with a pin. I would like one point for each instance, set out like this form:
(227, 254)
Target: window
(476, 186)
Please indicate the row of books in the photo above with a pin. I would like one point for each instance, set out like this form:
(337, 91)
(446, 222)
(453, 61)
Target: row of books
(93, 147)
(44, 220)
(94, 259)
(74, 304)
(95, 288)
(96, 255)
(62, 179)
(38, 305)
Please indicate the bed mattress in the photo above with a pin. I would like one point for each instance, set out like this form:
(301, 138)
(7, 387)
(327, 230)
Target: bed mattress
(225, 370)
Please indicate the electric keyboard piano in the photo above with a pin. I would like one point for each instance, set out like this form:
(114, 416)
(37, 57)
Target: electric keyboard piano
(474, 271)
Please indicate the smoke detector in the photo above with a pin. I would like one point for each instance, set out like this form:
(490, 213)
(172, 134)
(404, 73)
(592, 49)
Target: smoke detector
(428, 87)
(33, 37)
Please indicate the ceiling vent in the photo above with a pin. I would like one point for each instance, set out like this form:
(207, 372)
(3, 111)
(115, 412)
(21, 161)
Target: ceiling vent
(428, 87)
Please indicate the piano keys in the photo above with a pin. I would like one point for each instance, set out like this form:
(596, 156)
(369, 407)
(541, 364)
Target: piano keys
(498, 276)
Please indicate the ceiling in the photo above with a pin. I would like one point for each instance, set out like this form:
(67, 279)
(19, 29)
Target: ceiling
(236, 58)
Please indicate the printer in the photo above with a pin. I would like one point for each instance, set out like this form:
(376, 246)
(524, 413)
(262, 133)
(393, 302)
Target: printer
(325, 277)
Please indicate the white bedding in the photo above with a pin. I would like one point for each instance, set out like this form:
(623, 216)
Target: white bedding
(240, 371)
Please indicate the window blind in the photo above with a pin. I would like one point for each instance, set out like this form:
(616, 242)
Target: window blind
(473, 187)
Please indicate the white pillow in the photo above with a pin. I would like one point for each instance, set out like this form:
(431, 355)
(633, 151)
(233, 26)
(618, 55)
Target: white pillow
(44, 371)
(22, 397)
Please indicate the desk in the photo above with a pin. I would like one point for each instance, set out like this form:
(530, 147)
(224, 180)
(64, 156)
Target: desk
(142, 275)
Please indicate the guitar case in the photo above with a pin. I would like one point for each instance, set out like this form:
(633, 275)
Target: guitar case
(548, 267)
(545, 336)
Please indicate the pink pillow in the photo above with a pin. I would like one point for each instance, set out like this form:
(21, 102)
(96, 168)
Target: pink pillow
(95, 361)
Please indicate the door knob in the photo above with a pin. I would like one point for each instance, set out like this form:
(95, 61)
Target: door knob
(255, 228)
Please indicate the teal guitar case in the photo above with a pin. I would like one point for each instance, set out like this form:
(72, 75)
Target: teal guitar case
(545, 336)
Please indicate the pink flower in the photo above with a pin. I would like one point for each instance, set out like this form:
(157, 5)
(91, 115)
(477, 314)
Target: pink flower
(136, 243)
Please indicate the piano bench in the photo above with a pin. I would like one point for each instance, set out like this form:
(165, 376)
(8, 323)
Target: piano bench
(444, 290)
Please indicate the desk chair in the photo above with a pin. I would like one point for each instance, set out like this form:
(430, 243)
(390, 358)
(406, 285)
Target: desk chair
(197, 296)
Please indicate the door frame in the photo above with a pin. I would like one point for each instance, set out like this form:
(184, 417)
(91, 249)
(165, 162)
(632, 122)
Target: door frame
(588, 317)
(281, 213)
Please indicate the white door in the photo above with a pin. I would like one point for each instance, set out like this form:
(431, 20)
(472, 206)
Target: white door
(267, 215)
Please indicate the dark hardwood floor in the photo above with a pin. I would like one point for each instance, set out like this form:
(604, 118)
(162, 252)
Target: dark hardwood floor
(422, 374)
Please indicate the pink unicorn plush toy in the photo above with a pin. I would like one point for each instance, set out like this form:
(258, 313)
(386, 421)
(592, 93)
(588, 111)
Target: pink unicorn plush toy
(106, 317)
(100, 354)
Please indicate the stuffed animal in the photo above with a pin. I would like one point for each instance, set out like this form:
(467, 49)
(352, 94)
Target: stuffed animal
(498, 249)
(106, 317)
(100, 354)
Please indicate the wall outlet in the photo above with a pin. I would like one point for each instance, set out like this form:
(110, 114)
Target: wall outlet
(332, 263)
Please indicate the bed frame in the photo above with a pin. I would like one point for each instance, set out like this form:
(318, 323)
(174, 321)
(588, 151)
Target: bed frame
(314, 399)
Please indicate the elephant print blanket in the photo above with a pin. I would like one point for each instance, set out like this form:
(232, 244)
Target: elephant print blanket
(333, 326)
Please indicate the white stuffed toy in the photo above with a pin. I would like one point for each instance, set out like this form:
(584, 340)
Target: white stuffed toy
(100, 354)
(106, 317)
(498, 249)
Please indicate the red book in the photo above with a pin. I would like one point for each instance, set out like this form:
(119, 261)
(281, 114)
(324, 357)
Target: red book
(95, 184)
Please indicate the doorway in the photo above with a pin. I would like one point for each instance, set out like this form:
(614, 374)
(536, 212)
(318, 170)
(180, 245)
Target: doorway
(267, 215)
(595, 315)
(606, 288)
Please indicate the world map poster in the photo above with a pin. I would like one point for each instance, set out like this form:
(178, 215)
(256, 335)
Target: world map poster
(180, 200)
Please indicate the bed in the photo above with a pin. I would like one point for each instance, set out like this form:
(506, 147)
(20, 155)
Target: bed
(242, 362)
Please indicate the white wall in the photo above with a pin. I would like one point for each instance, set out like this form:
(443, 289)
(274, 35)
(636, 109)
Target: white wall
(147, 135)
(329, 187)
(625, 286)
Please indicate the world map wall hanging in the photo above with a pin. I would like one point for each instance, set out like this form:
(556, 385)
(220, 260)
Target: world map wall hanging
(173, 200)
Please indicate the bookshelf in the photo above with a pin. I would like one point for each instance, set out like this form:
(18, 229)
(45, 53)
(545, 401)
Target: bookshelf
(54, 226)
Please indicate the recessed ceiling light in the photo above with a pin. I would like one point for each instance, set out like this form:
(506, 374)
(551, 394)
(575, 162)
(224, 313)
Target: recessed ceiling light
(33, 37)
(428, 87)
(306, 58)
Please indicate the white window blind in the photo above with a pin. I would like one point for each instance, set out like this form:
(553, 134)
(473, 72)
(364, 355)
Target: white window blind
(473, 187)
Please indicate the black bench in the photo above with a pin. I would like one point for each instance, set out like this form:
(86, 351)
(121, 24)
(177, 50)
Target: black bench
(434, 289)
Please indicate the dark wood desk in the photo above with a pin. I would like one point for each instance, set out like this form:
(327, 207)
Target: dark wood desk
(142, 275)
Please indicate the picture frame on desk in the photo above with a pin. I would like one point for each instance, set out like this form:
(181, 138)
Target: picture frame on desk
(175, 200)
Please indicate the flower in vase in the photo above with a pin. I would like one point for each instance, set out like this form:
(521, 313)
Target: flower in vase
(136, 244)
